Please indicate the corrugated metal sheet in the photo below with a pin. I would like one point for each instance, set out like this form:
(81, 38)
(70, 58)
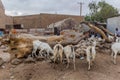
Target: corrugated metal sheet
(113, 23)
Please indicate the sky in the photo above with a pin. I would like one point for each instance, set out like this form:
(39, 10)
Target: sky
(69, 7)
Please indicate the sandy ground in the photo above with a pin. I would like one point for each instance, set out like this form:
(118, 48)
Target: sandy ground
(103, 69)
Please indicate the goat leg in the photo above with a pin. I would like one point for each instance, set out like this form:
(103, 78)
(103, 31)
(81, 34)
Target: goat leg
(89, 65)
(68, 62)
(115, 57)
(74, 62)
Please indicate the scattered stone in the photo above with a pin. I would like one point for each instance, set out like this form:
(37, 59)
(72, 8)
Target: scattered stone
(82, 58)
(16, 61)
(3, 47)
(49, 61)
(13, 66)
(12, 77)
(5, 56)
(1, 62)
(3, 67)
(5, 50)
(40, 58)
(118, 72)
(29, 60)
(10, 74)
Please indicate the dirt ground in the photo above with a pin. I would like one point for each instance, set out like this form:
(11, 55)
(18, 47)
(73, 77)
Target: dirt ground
(103, 69)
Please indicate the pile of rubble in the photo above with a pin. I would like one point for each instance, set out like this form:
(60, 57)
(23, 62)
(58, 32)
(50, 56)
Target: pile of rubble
(22, 45)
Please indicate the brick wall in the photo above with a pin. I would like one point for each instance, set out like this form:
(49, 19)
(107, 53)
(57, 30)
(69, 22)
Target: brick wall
(2, 18)
(43, 20)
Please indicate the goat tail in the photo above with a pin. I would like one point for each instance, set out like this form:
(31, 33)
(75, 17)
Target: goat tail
(58, 47)
(112, 53)
(73, 49)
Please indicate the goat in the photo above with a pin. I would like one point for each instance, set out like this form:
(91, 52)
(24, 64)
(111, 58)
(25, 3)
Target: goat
(117, 39)
(69, 52)
(41, 46)
(58, 52)
(45, 47)
(115, 49)
(91, 53)
(36, 45)
(111, 38)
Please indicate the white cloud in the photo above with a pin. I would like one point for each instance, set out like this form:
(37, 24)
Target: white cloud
(25, 7)
(13, 13)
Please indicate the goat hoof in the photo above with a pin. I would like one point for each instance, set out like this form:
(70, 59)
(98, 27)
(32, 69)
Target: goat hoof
(54, 67)
(61, 69)
(67, 67)
(115, 63)
(88, 69)
(74, 69)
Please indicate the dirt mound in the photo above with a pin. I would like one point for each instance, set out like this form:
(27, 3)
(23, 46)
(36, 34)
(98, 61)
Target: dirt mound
(103, 69)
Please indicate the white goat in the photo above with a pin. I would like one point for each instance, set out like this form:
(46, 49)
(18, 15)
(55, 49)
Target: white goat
(69, 52)
(36, 45)
(115, 49)
(58, 52)
(117, 39)
(91, 53)
(45, 47)
(111, 37)
(42, 46)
